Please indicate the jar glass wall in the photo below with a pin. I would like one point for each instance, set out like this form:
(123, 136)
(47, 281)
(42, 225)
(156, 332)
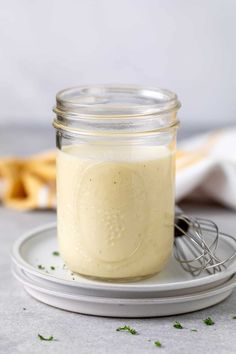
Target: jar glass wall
(115, 179)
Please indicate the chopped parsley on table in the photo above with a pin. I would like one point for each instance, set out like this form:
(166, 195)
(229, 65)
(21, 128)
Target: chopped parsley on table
(234, 317)
(52, 268)
(49, 339)
(127, 329)
(158, 344)
(193, 330)
(55, 253)
(178, 325)
(208, 321)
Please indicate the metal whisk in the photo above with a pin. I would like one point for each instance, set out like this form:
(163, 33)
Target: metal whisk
(196, 243)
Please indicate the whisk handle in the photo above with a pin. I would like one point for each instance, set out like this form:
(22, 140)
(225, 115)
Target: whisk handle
(181, 224)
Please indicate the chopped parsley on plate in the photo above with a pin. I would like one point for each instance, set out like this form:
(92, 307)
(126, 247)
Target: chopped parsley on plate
(55, 253)
(41, 267)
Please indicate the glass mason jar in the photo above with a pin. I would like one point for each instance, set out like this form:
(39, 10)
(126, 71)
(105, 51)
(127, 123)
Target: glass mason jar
(115, 179)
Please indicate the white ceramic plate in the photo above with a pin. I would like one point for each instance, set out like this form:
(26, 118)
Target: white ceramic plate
(36, 248)
(120, 307)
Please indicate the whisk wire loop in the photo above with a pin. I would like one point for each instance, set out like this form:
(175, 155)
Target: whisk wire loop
(196, 243)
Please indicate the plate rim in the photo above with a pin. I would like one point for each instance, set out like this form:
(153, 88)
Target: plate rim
(20, 262)
(228, 286)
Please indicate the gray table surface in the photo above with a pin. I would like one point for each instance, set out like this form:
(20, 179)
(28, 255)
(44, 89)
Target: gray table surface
(88, 334)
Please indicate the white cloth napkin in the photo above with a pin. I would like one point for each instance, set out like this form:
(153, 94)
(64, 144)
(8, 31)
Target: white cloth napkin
(206, 167)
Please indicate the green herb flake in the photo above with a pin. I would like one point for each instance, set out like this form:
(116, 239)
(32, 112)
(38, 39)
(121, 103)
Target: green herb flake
(208, 321)
(128, 329)
(234, 318)
(41, 267)
(178, 325)
(158, 344)
(55, 253)
(49, 339)
(193, 330)
(52, 268)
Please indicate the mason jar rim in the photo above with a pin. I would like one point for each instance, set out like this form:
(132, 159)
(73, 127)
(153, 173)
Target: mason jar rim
(115, 109)
(114, 101)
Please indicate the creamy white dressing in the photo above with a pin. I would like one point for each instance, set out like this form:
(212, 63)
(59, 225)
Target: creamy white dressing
(115, 209)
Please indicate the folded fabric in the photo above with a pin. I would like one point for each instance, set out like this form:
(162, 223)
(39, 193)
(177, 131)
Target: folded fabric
(205, 166)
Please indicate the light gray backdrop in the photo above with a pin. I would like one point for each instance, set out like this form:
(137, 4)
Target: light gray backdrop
(188, 46)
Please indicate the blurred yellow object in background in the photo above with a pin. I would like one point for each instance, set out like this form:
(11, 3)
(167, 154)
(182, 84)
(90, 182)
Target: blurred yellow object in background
(28, 183)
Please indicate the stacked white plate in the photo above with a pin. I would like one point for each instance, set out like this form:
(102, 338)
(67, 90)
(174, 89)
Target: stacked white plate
(173, 291)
